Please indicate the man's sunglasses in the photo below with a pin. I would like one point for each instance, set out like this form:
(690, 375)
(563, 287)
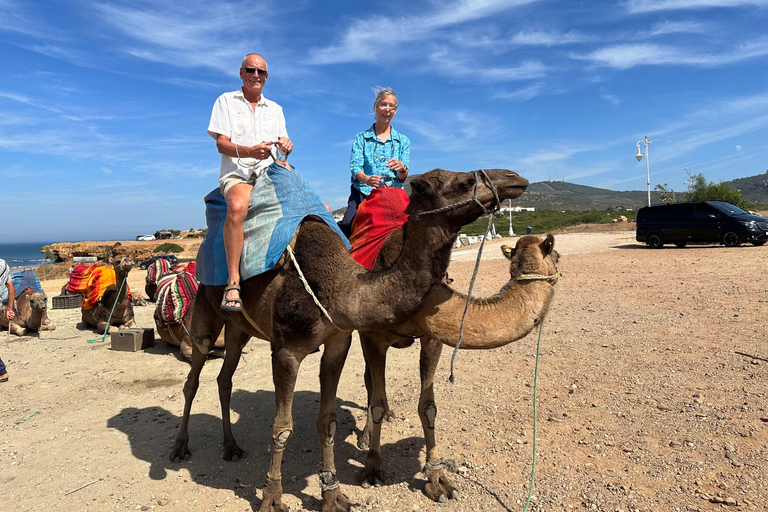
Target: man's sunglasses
(261, 72)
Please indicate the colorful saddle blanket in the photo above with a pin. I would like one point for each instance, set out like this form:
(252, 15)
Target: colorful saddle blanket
(78, 278)
(99, 280)
(378, 215)
(158, 268)
(280, 200)
(175, 293)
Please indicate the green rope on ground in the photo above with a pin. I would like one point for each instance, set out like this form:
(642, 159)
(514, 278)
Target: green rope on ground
(535, 421)
(109, 320)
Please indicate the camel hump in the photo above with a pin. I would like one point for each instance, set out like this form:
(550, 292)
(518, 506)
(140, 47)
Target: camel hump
(280, 201)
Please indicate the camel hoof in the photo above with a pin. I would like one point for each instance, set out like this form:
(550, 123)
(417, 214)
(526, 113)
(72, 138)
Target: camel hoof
(439, 488)
(180, 452)
(372, 475)
(272, 498)
(335, 501)
(364, 439)
(235, 455)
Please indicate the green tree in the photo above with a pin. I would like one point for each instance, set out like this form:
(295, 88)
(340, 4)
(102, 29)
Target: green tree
(701, 190)
(665, 193)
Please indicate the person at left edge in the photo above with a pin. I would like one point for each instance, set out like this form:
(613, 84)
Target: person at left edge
(247, 128)
(5, 280)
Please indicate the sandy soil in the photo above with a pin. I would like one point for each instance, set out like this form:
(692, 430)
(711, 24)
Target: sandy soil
(651, 396)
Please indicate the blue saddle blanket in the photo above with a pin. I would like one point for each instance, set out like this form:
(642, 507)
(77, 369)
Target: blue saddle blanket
(21, 281)
(280, 200)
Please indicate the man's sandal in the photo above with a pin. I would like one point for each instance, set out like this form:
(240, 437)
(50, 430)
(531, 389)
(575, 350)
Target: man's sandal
(224, 299)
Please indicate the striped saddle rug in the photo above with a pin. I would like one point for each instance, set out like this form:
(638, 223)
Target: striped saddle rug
(280, 200)
(175, 293)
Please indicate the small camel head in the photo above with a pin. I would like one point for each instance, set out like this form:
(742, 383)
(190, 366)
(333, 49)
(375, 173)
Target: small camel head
(532, 255)
(38, 301)
(122, 263)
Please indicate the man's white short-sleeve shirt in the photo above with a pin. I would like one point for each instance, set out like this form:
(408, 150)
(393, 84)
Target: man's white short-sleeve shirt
(233, 117)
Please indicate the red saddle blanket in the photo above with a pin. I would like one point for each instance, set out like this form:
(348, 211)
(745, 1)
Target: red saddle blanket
(378, 215)
(78, 278)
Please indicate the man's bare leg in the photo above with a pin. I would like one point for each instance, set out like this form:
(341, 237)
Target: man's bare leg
(238, 198)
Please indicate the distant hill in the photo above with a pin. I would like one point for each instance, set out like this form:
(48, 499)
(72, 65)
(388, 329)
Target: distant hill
(561, 195)
(754, 188)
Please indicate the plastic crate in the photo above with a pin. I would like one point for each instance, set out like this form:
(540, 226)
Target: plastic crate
(67, 301)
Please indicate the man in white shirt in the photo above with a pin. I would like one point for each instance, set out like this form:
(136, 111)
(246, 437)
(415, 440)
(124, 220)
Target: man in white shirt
(247, 127)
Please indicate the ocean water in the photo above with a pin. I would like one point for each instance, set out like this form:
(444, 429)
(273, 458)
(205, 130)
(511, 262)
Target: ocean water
(23, 254)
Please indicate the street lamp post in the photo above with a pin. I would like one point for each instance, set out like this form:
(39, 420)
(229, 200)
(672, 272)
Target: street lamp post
(639, 157)
(511, 233)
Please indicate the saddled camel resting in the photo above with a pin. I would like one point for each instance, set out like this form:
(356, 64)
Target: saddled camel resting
(276, 306)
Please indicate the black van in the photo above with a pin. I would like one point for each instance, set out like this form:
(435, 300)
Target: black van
(699, 222)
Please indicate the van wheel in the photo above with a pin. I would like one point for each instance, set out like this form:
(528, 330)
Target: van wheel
(731, 239)
(654, 240)
(680, 245)
(761, 242)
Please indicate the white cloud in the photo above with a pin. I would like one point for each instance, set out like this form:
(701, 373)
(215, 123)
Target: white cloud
(524, 94)
(365, 39)
(548, 38)
(627, 56)
(645, 6)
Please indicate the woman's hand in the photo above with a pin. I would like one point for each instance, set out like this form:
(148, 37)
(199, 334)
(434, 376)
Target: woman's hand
(374, 181)
(397, 165)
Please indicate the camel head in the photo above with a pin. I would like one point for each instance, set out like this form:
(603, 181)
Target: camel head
(38, 301)
(532, 255)
(440, 188)
(122, 263)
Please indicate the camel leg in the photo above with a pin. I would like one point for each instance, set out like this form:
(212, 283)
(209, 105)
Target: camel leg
(48, 325)
(334, 357)
(375, 354)
(205, 322)
(285, 369)
(235, 341)
(17, 329)
(180, 449)
(439, 487)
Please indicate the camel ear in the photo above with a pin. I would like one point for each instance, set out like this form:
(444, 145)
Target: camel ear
(421, 186)
(548, 245)
(507, 251)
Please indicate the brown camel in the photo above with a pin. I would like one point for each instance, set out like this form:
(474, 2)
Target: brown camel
(277, 307)
(178, 335)
(508, 316)
(31, 309)
(172, 332)
(122, 316)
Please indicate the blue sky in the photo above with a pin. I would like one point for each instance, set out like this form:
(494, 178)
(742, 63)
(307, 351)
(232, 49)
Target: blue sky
(104, 105)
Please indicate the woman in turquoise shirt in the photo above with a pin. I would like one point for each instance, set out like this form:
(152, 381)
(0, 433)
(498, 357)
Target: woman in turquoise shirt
(380, 154)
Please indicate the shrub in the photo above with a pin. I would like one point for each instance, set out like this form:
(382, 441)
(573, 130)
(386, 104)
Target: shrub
(168, 247)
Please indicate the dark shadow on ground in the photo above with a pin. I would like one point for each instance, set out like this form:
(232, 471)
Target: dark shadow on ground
(151, 432)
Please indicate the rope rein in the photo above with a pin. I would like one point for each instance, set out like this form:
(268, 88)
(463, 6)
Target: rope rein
(535, 421)
(109, 320)
(309, 288)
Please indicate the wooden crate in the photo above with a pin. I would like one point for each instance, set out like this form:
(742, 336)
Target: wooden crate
(133, 340)
(67, 301)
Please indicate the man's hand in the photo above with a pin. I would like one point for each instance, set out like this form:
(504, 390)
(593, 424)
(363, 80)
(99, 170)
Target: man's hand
(260, 151)
(284, 145)
(9, 314)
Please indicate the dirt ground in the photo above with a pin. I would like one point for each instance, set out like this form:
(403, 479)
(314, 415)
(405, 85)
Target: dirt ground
(651, 396)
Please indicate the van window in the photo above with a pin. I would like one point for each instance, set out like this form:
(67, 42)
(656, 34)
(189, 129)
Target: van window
(702, 211)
